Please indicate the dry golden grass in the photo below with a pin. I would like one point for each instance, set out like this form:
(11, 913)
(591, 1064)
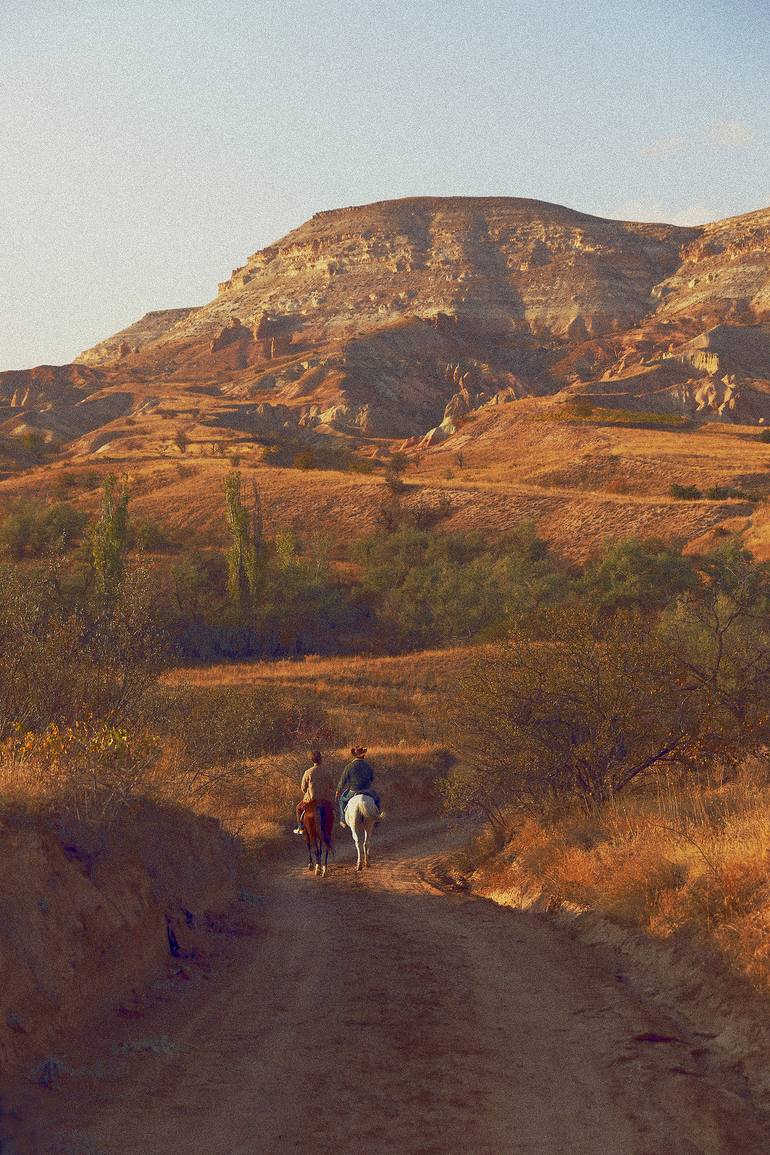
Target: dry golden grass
(579, 483)
(687, 861)
(384, 700)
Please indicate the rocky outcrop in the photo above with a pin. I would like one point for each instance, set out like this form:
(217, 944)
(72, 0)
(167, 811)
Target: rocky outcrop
(149, 328)
(230, 334)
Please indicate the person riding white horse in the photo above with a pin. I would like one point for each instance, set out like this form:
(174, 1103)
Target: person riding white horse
(362, 815)
(359, 803)
(357, 778)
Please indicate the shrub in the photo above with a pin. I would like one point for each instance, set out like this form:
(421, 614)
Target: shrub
(220, 724)
(577, 704)
(580, 409)
(305, 459)
(433, 589)
(685, 492)
(394, 483)
(725, 492)
(633, 573)
(33, 529)
(150, 535)
(86, 770)
(34, 443)
(581, 713)
(60, 663)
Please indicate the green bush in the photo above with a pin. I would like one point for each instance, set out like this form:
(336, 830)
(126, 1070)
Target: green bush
(33, 529)
(434, 589)
(685, 492)
(150, 535)
(635, 574)
(725, 492)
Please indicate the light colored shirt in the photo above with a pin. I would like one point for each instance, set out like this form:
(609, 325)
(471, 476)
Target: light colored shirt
(316, 784)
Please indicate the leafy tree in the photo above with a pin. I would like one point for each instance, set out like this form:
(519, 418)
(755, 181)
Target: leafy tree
(304, 609)
(245, 556)
(632, 573)
(109, 538)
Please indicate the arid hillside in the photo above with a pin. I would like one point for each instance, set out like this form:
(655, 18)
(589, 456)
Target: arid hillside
(530, 360)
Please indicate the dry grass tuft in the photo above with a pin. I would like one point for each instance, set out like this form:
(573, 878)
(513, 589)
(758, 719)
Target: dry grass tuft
(686, 861)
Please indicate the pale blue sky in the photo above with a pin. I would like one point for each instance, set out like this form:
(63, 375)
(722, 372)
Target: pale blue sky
(148, 146)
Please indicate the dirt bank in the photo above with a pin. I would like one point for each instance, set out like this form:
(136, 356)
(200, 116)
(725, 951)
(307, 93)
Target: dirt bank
(679, 970)
(377, 1012)
(86, 916)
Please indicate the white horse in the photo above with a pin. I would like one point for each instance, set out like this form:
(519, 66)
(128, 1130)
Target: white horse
(361, 815)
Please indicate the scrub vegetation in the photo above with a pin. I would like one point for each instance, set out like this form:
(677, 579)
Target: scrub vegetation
(609, 721)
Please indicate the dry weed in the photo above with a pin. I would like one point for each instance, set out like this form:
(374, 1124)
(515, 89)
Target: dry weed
(682, 859)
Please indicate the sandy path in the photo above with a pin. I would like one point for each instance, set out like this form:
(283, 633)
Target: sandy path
(376, 1013)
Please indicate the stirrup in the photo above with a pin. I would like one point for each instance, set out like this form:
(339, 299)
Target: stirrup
(298, 830)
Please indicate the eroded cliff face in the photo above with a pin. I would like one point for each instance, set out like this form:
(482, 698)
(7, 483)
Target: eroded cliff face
(508, 265)
(150, 327)
(350, 320)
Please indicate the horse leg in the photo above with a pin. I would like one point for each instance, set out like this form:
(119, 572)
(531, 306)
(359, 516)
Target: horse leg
(357, 840)
(309, 851)
(367, 841)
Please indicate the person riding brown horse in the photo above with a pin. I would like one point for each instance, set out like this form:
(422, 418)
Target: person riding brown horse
(315, 813)
(316, 786)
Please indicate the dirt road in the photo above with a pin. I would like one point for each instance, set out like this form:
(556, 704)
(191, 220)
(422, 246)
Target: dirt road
(376, 1013)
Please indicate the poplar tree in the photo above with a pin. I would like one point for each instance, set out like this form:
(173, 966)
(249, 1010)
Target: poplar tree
(109, 540)
(245, 556)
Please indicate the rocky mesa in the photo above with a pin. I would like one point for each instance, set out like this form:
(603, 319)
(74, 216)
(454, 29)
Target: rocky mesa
(365, 318)
(446, 326)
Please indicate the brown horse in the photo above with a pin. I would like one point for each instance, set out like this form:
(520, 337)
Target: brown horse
(318, 824)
